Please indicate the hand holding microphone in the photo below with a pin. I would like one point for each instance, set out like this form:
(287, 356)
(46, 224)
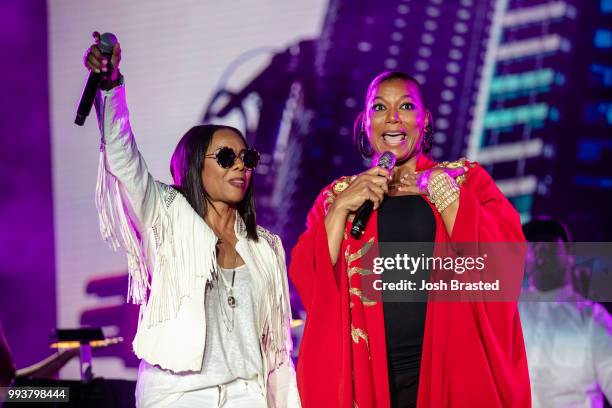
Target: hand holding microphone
(102, 60)
(366, 193)
(386, 162)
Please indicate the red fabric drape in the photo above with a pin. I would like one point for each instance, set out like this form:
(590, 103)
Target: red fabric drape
(473, 352)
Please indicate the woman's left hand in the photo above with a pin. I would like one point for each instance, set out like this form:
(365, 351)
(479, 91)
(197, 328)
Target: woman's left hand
(416, 183)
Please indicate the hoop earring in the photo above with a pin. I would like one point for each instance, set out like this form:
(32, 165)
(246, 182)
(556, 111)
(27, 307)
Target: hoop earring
(365, 149)
(427, 141)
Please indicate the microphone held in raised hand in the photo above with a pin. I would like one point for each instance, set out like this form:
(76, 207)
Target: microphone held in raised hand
(387, 162)
(107, 42)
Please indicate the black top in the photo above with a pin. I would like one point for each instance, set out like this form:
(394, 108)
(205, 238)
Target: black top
(404, 219)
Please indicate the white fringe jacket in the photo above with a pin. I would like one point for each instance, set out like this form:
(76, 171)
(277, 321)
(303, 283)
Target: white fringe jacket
(171, 256)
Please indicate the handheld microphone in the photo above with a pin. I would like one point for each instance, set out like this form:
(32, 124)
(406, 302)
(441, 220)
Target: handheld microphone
(362, 216)
(107, 42)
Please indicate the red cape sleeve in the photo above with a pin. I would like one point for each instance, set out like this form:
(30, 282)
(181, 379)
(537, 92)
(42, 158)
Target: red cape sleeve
(488, 348)
(311, 269)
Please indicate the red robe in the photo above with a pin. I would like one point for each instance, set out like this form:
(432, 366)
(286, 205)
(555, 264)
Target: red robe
(473, 352)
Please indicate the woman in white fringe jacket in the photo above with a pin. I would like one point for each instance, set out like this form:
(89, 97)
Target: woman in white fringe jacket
(214, 325)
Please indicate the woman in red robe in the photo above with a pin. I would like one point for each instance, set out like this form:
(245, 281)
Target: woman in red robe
(470, 354)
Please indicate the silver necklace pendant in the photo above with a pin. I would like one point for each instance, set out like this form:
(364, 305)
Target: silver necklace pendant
(231, 301)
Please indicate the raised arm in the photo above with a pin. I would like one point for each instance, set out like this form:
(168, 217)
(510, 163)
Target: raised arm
(121, 159)
(127, 197)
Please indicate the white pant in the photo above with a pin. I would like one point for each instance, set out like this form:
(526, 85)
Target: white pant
(237, 394)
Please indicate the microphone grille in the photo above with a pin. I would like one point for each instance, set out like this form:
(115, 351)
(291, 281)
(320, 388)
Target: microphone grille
(107, 42)
(387, 161)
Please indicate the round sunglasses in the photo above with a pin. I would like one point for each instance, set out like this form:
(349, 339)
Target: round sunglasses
(226, 157)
